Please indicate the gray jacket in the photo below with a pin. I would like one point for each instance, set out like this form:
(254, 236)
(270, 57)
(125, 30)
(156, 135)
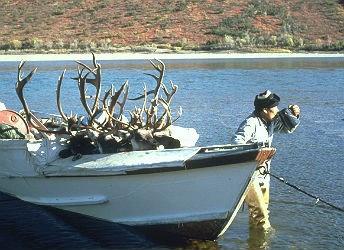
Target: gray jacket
(254, 129)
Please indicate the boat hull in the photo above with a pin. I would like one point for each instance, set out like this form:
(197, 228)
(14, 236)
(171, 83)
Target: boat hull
(198, 199)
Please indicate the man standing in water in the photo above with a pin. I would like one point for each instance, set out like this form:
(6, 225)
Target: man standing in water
(259, 127)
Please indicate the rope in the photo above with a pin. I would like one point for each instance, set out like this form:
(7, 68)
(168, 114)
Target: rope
(266, 172)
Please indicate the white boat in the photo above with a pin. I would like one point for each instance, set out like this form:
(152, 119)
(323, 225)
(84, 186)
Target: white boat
(194, 192)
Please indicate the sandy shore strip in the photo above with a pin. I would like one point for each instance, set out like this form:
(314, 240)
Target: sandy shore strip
(162, 56)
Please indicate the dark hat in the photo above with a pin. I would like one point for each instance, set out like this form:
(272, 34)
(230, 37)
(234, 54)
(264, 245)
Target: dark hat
(266, 100)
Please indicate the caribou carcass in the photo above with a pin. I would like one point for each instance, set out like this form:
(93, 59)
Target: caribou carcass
(104, 132)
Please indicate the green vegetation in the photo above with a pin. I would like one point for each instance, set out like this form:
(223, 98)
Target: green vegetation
(108, 26)
(240, 31)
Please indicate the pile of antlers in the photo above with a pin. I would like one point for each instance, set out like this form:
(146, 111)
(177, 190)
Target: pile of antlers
(102, 126)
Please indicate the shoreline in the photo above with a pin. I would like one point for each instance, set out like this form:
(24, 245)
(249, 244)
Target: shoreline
(163, 56)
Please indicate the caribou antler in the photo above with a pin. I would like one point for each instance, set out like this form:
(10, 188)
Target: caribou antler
(81, 84)
(115, 97)
(121, 104)
(96, 82)
(153, 110)
(115, 100)
(166, 103)
(160, 126)
(112, 100)
(159, 79)
(58, 94)
(136, 119)
(73, 122)
(152, 121)
(20, 84)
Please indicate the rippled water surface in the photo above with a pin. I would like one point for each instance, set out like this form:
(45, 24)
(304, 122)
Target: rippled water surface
(216, 95)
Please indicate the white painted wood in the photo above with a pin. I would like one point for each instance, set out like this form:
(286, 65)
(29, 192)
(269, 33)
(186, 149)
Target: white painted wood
(118, 188)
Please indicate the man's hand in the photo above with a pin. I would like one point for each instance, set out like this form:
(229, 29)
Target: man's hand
(295, 109)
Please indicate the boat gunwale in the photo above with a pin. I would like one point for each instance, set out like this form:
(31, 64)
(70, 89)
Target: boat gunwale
(198, 157)
(230, 158)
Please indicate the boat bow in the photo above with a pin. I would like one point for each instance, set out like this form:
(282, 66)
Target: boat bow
(193, 192)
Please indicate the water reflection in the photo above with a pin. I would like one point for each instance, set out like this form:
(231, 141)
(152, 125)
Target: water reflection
(259, 239)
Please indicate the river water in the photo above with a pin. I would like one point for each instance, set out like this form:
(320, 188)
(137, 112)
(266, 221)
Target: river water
(216, 95)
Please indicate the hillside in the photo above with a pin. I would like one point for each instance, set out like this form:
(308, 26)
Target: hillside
(112, 25)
